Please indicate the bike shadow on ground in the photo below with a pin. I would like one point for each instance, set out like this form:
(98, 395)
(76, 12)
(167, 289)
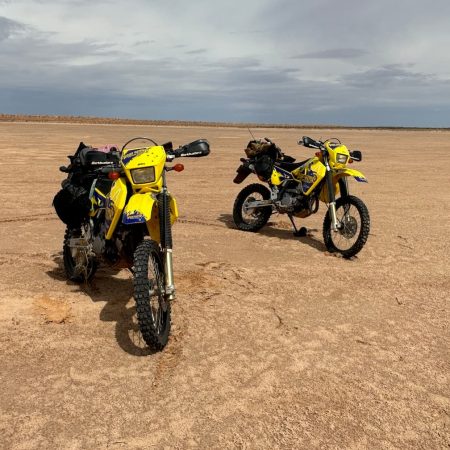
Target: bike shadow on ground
(270, 230)
(116, 294)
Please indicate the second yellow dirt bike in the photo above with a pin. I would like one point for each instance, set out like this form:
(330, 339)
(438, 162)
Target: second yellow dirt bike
(296, 188)
(119, 211)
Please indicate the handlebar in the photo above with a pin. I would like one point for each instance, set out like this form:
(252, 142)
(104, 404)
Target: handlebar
(355, 155)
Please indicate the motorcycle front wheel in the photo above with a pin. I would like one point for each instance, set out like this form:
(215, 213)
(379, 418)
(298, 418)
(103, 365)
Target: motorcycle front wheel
(251, 219)
(354, 222)
(152, 308)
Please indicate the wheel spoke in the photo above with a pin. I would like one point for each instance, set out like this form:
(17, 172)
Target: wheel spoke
(251, 215)
(155, 294)
(349, 218)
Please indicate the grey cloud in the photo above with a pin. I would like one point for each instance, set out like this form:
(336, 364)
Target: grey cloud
(338, 53)
(238, 62)
(73, 2)
(197, 52)
(388, 75)
(9, 27)
(145, 42)
(39, 49)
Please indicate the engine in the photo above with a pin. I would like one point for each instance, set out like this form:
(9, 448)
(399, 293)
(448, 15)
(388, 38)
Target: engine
(292, 201)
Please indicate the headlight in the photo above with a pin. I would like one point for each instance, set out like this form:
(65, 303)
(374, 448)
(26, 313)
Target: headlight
(143, 176)
(341, 158)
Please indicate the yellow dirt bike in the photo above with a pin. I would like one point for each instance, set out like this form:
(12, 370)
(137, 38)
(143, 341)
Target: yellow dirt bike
(119, 211)
(296, 188)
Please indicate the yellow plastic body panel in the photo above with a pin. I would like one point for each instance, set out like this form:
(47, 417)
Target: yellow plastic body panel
(114, 205)
(310, 174)
(275, 178)
(139, 158)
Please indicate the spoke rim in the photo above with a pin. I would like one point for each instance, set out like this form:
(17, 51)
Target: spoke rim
(156, 293)
(349, 218)
(251, 217)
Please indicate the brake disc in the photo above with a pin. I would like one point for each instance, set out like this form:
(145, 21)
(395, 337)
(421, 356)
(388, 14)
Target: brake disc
(349, 227)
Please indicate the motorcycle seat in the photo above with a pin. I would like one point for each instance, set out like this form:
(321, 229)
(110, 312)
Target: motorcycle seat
(290, 166)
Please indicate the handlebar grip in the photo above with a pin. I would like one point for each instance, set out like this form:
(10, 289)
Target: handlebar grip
(64, 169)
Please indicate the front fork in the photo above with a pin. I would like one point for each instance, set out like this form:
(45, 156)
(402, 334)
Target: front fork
(335, 225)
(166, 239)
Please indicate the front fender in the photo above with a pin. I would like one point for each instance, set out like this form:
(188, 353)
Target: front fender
(337, 175)
(356, 174)
(139, 209)
(143, 208)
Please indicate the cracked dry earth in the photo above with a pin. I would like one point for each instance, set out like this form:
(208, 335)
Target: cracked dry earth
(275, 342)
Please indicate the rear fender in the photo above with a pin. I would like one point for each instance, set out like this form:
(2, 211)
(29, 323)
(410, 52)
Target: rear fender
(243, 172)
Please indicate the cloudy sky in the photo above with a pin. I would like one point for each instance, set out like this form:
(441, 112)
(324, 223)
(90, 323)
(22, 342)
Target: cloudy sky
(345, 62)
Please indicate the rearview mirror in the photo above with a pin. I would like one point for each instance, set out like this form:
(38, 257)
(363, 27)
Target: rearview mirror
(356, 155)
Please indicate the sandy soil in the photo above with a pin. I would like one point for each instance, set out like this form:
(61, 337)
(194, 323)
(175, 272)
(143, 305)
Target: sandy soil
(275, 343)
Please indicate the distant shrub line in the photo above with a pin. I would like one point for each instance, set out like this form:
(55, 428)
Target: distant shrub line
(186, 123)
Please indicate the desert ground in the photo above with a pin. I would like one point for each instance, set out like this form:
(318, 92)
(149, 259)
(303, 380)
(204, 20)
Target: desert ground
(275, 342)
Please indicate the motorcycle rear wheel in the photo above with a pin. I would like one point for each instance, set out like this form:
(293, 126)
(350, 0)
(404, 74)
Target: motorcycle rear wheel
(152, 308)
(248, 220)
(353, 215)
(77, 272)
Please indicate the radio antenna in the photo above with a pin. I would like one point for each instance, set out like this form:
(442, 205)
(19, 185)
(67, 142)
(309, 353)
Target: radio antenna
(248, 128)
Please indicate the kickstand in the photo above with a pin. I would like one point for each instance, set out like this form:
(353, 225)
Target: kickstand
(298, 232)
